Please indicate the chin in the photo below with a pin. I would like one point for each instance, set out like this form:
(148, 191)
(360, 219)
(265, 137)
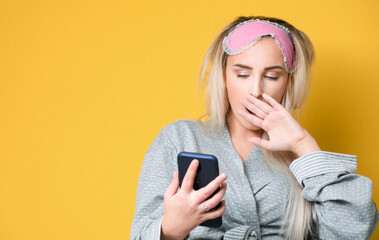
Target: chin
(248, 125)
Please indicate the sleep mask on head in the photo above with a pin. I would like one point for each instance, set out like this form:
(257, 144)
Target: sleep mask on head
(247, 33)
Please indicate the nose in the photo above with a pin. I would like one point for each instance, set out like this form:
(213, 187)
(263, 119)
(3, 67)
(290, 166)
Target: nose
(256, 87)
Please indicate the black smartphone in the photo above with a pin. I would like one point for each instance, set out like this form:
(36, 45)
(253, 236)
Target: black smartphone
(206, 172)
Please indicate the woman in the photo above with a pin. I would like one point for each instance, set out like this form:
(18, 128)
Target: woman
(280, 184)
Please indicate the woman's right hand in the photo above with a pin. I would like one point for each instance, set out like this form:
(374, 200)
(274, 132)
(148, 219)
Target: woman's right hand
(183, 210)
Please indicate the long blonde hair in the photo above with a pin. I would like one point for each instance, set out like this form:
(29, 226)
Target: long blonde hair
(300, 215)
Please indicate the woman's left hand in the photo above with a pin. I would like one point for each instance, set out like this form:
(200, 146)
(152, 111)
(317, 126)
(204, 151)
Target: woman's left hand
(285, 133)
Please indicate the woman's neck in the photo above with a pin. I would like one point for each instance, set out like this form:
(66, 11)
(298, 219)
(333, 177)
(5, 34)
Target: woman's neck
(239, 136)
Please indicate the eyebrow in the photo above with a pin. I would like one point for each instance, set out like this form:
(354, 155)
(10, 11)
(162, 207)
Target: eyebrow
(243, 66)
(273, 67)
(250, 68)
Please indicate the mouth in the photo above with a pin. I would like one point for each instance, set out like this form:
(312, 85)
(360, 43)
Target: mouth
(250, 111)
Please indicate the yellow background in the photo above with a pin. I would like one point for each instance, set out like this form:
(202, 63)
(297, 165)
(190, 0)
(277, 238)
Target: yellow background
(85, 86)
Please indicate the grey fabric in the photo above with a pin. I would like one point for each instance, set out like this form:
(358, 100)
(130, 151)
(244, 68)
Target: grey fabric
(256, 194)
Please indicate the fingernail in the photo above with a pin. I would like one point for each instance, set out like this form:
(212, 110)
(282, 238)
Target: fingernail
(195, 162)
(223, 176)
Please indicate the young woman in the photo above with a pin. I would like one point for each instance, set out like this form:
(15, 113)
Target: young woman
(280, 184)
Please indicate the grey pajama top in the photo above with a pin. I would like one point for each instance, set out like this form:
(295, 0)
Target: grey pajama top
(256, 194)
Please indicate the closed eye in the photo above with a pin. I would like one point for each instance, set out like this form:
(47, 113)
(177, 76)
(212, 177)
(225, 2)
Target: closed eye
(242, 76)
(273, 78)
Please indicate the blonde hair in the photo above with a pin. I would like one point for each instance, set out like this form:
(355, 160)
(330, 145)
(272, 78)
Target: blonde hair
(300, 216)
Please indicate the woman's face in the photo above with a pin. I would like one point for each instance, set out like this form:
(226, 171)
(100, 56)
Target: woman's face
(260, 69)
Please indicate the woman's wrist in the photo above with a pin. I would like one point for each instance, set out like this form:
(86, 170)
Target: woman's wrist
(169, 234)
(305, 145)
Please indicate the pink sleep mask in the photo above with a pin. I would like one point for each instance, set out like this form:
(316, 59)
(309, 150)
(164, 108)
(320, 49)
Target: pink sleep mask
(247, 33)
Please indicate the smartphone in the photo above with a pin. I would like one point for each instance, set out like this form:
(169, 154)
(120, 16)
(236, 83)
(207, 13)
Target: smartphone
(206, 172)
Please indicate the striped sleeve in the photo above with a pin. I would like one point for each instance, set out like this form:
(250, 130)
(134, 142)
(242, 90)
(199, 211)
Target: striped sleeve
(322, 162)
(342, 199)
